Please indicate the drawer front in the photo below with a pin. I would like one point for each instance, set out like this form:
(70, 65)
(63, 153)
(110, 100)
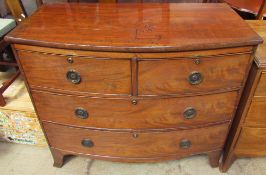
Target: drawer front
(256, 114)
(136, 145)
(183, 113)
(184, 76)
(261, 88)
(96, 76)
(252, 142)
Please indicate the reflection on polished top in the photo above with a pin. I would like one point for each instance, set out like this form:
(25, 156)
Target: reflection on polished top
(135, 27)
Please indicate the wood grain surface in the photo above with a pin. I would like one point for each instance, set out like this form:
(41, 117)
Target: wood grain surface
(256, 114)
(113, 76)
(139, 55)
(147, 114)
(136, 145)
(97, 76)
(171, 76)
(251, 142)
(135, 27)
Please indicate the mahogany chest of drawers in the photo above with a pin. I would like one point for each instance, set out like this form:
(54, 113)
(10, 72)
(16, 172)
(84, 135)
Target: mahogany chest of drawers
(135, 82)
(248, 134)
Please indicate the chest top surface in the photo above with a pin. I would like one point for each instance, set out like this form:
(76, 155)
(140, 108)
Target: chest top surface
(260, 27)
(135, 27)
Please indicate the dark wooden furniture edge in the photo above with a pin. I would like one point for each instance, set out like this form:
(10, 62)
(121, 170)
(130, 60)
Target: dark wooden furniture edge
(259, 64)
(28, 89)
(259, 14)
(229, 156)
(144, 129)
(3, 44)
(129, 96)
(151, 49)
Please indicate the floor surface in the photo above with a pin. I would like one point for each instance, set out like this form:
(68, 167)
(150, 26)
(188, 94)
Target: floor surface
(17, 159)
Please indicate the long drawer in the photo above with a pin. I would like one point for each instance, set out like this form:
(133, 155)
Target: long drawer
(186, 112)
(135, 145)
(184, 76)
(76, 73)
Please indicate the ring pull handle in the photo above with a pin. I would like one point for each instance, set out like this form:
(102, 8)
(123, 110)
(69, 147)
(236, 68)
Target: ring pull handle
(195, 78)
(73, 77)
(190, 113)
(81, 113)
(185, 144)
(87, 143)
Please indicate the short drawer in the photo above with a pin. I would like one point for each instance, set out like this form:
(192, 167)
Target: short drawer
(185, 76)
(136, 145)
(85, 74)
(187, 112)
(256, 115)
(261, 88)
(251, 142)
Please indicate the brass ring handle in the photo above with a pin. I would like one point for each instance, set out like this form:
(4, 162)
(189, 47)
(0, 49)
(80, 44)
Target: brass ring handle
(190, 113)
(81, 113)
(73, 77)
(195, 78)
(185, 144)
(87, 143)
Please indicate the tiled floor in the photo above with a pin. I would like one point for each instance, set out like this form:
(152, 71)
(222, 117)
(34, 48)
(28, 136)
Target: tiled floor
(16, 159)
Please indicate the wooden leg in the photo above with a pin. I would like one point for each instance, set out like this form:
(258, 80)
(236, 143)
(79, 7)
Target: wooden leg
(214, 158)
(227, 162)
(2, 100)
(5, 85)
(58, 157)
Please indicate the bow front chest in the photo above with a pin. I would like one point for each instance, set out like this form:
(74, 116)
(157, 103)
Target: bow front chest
(135, 82)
